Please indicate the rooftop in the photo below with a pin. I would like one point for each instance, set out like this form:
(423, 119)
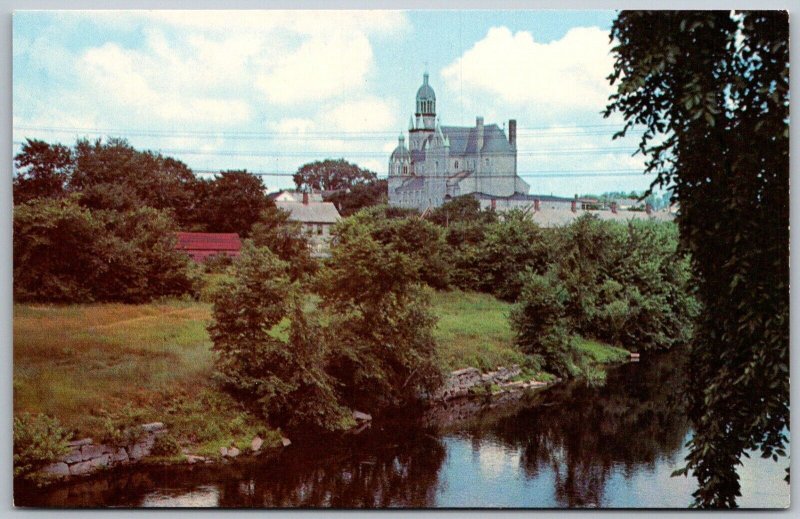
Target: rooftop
(313, 212)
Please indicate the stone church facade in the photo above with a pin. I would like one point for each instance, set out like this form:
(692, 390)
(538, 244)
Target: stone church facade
(443, 162)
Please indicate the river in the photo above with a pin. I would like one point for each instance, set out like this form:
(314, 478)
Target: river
(576, 444)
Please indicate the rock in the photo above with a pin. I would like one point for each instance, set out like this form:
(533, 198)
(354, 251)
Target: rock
(93, 451)
(57, 469)
(223, 451)
(139, 450)
(256, 444)
(286, 442)
(361, 417)
(79, 469)
(153, 427)
(74, 456)
(100, 461)
(192, 459)
(233, 452)
(80, 443)
(119, 456)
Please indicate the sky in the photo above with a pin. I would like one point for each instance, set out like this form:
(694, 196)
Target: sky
(271, 90)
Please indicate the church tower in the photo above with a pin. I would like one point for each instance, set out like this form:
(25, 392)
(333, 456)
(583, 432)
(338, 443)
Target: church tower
(424, 122)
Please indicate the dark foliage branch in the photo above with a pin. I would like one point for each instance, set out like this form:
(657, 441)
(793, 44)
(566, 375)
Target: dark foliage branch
(711, 90)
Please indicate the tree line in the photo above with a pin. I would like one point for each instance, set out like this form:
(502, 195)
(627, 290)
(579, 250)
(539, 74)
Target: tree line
(97, 221)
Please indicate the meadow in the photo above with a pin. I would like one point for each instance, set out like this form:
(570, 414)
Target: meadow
(99, 365)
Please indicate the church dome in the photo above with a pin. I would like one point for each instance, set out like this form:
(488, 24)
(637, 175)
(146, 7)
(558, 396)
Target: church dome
(426, 92)
(426, 97)
(401, 153)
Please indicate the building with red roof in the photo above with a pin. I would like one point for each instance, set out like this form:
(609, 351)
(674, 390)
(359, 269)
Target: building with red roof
(202, 245)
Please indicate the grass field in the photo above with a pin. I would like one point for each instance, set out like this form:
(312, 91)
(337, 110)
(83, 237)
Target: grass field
(84, 363)
(473, 330)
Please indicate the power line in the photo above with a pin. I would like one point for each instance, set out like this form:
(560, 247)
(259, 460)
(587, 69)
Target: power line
(531, 132)
(381, 153)
(532, 174)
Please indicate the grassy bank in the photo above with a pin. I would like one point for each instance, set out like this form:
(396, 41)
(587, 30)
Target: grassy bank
(98, 367)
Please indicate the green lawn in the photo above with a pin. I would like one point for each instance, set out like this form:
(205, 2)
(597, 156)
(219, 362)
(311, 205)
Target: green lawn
(473, 330)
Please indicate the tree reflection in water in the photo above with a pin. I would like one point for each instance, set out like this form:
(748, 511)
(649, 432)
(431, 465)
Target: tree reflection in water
(581, 432)
(397, 468)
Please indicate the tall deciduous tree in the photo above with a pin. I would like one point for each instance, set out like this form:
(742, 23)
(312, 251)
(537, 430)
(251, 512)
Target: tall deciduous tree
(232, 202)
(711, 90)
(329, 175)
(42, 170)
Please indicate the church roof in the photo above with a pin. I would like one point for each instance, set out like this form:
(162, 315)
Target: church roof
(412, 184)
(400, 153)
(464, 140)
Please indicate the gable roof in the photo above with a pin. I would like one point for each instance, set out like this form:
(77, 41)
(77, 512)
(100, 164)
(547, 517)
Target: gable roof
(208, 241)
(313, 212)
(464, 140)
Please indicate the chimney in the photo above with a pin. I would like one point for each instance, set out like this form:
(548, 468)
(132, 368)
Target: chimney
(305, 197)
(512, 132)
(537, 205)
(648, 207)
(574, 206)
(494, 204)
(614, 207)
(479, 126)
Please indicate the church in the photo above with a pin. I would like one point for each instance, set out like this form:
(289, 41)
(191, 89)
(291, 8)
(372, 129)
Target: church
(443, 162)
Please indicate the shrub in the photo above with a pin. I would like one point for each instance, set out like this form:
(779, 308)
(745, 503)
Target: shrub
(284, 380)
(65, 253)
(539, 321)
(381, 326)
(166, 445)
(38, 441)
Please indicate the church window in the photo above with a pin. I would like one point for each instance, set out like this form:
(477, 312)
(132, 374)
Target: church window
(405, 170)
(456, 165)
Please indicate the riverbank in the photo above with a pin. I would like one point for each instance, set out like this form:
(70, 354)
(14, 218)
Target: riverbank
(102, 369)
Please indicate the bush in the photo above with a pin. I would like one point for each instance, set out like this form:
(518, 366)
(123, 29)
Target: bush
(38, 441)
(65, 253)
(381, 326)
(540, 324)
(166, 445)
(123, 427)
(283, 379)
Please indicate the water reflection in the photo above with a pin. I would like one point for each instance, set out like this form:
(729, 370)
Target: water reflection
(573, 445)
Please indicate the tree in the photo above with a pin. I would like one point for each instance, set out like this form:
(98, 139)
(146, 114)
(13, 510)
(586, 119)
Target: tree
(66, 253)
(381, 324)
(421, 241)
(465, 208)
(330, 175)
(509, 247)
(711, 90)
(283, 379)
(42, 170)
(285, 239)
(539, 321)
(113, 175)
(367, 194)
(232, 202)
(55, 251)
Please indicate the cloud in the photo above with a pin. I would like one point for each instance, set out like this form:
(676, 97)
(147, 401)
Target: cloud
(137, 81)
(566, 74)
(321, 68)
